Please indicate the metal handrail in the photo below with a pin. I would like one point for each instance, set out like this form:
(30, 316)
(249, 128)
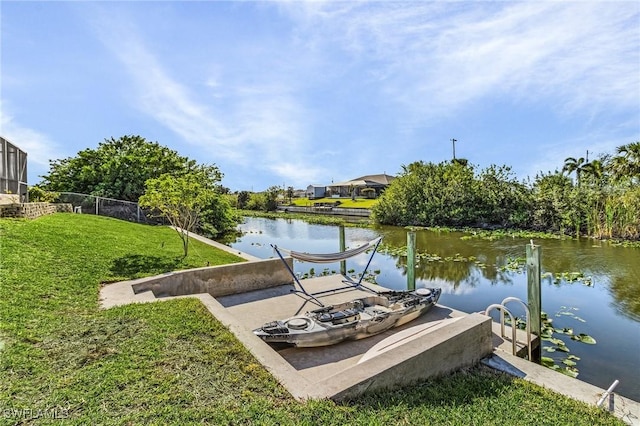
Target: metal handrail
(609, 393)
(528, 320)
(504, 310)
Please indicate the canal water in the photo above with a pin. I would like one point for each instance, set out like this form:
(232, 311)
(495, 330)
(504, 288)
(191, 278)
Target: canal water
(588, 287)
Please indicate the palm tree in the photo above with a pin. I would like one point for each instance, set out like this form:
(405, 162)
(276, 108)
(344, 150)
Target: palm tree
(626, 165)
(593, 170)
(574, 165)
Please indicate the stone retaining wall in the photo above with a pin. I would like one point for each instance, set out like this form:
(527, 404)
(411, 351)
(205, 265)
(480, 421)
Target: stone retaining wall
(33, 210)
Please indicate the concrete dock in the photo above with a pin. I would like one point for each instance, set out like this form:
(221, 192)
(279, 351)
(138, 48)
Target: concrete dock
(335, 363)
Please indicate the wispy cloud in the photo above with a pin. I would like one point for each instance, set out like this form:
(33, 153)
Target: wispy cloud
(38, 146)
(438, 56)
(257, 124)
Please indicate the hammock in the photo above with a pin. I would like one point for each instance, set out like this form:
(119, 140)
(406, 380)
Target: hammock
(329, 258)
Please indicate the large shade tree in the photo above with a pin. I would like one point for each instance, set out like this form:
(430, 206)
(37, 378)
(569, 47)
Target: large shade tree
(117, 168)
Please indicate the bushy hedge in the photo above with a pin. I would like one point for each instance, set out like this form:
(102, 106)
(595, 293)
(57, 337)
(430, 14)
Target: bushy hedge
(451, 194)
(454, 194)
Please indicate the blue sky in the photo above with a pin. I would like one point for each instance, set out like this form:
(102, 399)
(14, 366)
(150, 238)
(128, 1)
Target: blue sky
(299, 93)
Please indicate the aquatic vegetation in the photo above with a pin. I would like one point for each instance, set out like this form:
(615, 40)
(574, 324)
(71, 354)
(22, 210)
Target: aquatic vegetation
(562, 360)
(496, 234)
(567, 363)
(311, 273)
(625, 243)
(569, 277)
(514, 264)
(421, 256)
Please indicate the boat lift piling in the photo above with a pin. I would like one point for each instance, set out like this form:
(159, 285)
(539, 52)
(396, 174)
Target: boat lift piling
(534, 294)
(411, 260)
(343, 247)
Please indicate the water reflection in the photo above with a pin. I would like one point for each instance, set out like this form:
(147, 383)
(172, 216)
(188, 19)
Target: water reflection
(626, 293)
(463, 261)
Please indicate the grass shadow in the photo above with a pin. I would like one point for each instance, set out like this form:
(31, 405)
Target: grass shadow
(138, 265)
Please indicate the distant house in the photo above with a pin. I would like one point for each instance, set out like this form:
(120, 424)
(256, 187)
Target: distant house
(370, 186)
(299, 193)
(315, 191)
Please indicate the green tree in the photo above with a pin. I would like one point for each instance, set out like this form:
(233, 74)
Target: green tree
(290, 194)
(117, 168)
(243, 199)
(39, 195)
(257, 201)
(576, 165)
(552, 202)
(181, 199)
(217, 216)
(428, 194)
(594, 172)
(271, 198)
(501, 199)
(625, 166)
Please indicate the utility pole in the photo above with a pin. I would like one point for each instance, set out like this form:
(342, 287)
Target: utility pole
(454, 148)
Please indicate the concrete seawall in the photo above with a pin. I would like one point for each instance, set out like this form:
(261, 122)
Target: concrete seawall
(331, 211)
(218, 281)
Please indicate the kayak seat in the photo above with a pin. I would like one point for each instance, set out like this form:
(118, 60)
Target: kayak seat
(338, 316)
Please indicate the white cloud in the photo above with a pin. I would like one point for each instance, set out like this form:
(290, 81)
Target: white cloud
(38, 146)
(435, 58)
(249, 124)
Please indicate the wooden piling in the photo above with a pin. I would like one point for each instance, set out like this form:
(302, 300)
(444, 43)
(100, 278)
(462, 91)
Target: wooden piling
(534, 293)
(343, 247)
(411, 260)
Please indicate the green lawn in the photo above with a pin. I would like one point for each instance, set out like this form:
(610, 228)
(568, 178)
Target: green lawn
(173, 363)
(358, 203)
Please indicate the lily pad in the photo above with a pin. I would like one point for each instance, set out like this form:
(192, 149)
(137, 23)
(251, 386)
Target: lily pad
(569, 362)
(547, 362)
(571, 372)
(557, 341)
(584, 338)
